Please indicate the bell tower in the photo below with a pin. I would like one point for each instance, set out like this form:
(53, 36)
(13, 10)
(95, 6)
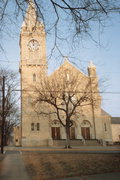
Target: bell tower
(32, 40)
(33, 68)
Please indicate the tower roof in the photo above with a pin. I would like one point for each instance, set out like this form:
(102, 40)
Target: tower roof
(91, 65)
(31, 17)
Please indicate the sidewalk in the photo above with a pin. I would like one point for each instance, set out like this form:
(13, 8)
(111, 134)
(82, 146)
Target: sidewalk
(13, 168)
(89, 149)
(106, 176)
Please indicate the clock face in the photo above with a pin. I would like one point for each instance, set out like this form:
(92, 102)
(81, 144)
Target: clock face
(33, 44)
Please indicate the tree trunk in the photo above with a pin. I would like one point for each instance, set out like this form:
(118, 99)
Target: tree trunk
(67, 137)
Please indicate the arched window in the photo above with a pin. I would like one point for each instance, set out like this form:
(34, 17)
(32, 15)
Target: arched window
(55, 123)
(34, 77)
(38, 126)
(35, 126)
(85, 123)
(105, 126)
(67, 75)
(32, 127)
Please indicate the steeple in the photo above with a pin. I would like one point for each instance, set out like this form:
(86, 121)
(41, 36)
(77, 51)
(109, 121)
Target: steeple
(91, 65)
(66, 58)
(91, 69)
(31, 18)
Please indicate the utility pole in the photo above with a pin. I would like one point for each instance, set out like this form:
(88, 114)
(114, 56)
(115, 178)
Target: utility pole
(3, 115)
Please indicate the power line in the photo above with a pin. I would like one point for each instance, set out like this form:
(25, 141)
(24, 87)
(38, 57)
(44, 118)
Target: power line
(9, 61)
(100, 92)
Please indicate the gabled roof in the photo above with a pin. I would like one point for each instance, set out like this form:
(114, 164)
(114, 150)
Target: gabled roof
(67, 64)
(115, 120)
(104, 113)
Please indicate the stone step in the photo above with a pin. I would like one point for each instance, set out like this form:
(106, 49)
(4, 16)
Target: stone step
(76, 142)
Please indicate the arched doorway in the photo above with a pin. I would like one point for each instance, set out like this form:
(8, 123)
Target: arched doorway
(55, 129)
(85, 129)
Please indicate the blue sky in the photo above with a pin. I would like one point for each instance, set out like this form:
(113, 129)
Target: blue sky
(106, 58)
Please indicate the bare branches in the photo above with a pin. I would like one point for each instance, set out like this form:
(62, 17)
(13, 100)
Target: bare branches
(63, 96)
(102, 7)
(3, 10)
(73, 17)
(11, 101)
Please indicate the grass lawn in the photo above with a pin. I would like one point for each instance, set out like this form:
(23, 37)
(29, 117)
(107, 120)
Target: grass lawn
(49, 166)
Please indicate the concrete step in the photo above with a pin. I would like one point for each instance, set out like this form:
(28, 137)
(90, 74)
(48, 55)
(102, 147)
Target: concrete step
(77, 142)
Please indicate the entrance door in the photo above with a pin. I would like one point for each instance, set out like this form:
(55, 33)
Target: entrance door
(85, 132)
(72, 133)
(55, 132)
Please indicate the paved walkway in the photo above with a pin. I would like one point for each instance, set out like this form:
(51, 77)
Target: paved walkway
(61, 148)
(106, 176)
(13, 167)
(74, 149)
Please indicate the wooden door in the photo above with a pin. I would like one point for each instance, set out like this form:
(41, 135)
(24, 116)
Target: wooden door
(55, 132)
(72, 133)
(85, 132)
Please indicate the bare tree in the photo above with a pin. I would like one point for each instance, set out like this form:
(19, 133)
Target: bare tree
(62, 19)
(11, 111)
(65, 94)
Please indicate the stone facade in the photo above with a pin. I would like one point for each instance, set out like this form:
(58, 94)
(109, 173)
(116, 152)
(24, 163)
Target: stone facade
(17, 135)
(115, 125)
(41, 130)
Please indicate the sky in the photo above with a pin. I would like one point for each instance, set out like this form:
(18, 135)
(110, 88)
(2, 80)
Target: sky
(106, 58)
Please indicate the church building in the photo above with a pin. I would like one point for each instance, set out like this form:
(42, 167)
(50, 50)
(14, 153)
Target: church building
(40, 130)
